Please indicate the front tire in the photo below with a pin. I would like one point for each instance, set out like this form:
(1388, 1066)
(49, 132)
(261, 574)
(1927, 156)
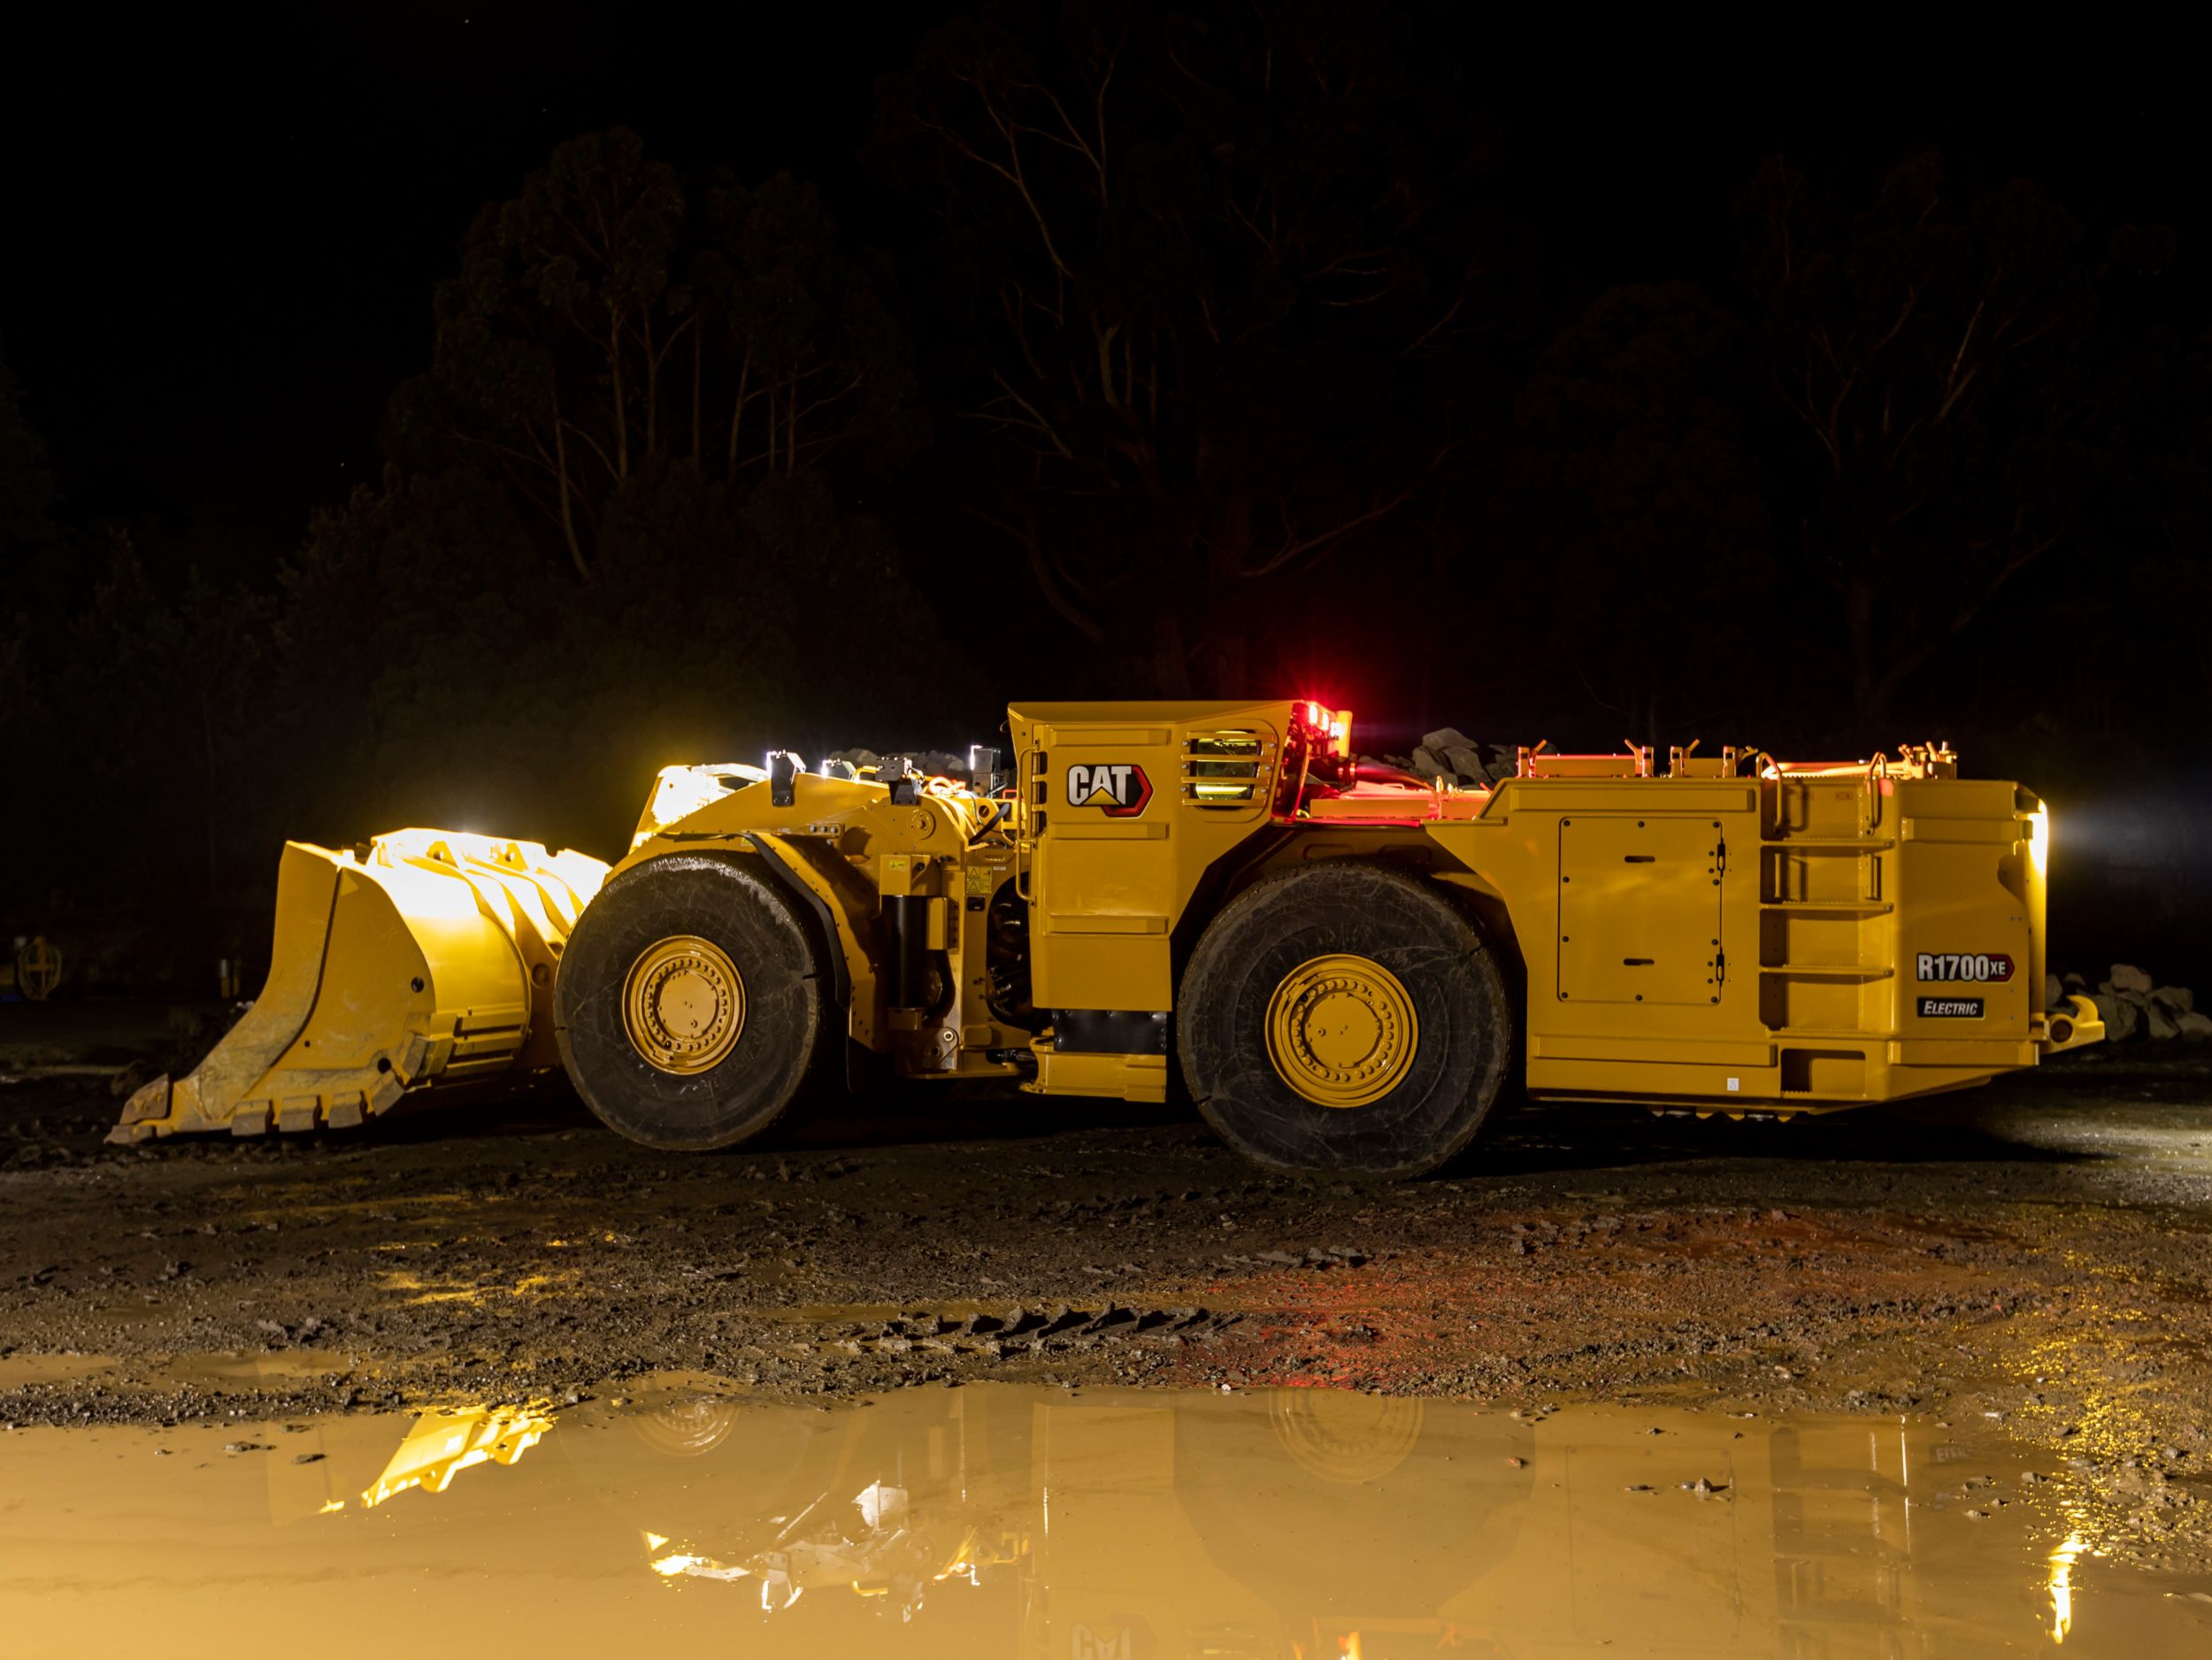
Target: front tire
(1344, 1020)
(690, 1007)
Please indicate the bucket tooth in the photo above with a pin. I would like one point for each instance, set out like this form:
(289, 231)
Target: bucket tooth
(295, 1113)
(428, 959)
(148, 1101)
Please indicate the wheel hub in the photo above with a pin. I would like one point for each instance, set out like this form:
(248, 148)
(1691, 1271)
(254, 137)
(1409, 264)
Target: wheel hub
(1342, 1030)
(683, 1005)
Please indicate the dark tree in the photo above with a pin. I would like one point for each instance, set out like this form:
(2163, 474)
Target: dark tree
(1650, 512)
(166, 682)
(608, 322)
(1221, 280)
(619, 524)
(794, 333)
(1935, 351)
(31, 610)
(26, 485)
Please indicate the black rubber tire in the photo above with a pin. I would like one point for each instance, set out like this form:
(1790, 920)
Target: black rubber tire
(1411, 928)
(742, 910)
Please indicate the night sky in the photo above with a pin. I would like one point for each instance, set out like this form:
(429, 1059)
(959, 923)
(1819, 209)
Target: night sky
(229, 231)
(242, 228)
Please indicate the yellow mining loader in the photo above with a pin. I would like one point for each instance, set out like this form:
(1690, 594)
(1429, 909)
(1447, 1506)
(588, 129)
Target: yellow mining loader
(1343, 965)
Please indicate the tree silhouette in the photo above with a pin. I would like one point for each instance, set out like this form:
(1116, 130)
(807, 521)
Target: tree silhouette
(1220, 282)
(801, 326)
(166, 678)
(1930, 349)
(608, 321)
(26, 484)
(1637, 484)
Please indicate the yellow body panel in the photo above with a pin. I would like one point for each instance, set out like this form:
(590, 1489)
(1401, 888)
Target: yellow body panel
(1699, 938)
(1732, 933)
(1794, 979)
(1120, 820)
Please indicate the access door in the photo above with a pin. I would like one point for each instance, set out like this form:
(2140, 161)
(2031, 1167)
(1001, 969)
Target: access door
(1124, 816)
(1640, 909)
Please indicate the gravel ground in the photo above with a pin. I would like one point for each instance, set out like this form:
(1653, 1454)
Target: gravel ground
(2035, 1256)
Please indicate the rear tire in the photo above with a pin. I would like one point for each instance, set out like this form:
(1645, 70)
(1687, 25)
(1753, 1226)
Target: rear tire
(755, 976)
(1344, 1020)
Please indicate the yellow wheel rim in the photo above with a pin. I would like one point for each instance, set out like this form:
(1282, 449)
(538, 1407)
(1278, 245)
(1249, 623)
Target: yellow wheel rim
(684, 1004)
(1341, 1031)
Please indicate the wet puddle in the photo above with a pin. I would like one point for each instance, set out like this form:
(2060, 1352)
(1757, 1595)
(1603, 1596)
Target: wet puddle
(993, 1520)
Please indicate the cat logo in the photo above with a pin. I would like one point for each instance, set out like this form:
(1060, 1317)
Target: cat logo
(1118, 787)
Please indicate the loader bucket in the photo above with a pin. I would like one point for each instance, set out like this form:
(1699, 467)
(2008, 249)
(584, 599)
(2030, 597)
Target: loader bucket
(427, 960)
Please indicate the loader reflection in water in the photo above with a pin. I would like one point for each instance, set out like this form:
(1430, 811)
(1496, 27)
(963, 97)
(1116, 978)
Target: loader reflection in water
(443, 1445)
(987, 1521)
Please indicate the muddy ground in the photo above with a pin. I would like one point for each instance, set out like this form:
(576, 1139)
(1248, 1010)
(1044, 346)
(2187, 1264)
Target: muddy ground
(2037, 1255)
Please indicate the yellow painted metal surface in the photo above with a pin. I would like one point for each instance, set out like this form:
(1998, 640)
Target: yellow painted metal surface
(1139, 1077)
(1728, 933)
(1124, 809)
(683, 1005)
(1640, 908)
(1871, 933)
(424, 961)
(1342, 1030)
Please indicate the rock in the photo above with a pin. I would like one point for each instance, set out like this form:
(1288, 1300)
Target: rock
(2194, 1024)
(1450, 753)
(2127, 978)
(2053, 992)
(2162, 1024)
(2175, 1000)
(2121, 1017)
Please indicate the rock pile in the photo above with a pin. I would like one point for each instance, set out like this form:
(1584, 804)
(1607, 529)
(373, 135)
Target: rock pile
(929, 763)
(1451, 754)
(2132, 1005)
